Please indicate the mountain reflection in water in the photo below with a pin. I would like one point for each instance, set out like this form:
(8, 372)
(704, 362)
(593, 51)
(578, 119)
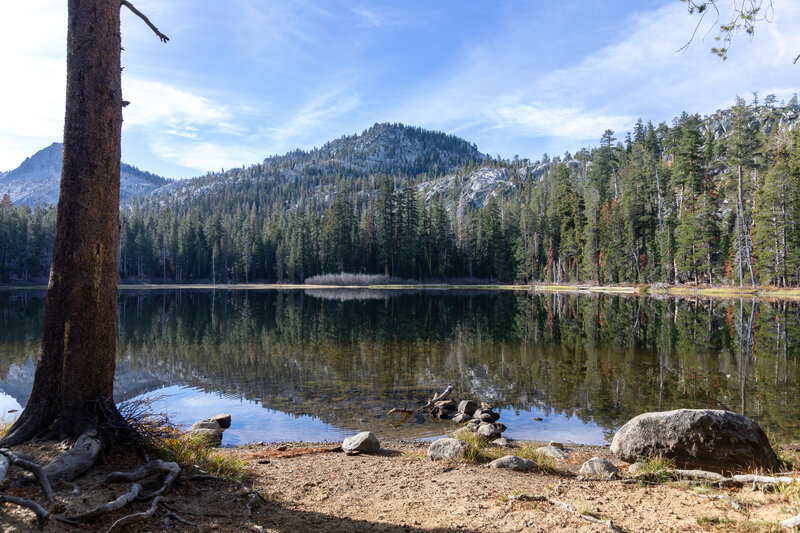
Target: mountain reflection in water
(320, 365)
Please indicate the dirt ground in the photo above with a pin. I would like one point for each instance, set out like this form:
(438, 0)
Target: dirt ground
(307, 487)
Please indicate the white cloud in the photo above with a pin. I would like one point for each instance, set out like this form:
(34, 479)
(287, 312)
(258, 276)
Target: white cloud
(205, 155)
(155, 104)
(33, 63)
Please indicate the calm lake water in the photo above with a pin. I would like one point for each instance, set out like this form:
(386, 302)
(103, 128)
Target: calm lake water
(323, 364)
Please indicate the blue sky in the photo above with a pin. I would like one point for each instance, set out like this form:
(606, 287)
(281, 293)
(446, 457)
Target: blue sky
(244, 79)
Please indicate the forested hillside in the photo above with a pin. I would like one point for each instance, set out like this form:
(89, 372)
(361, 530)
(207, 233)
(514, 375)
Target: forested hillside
(703, 200)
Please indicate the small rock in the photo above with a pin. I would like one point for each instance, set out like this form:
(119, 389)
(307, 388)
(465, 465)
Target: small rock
(502, 441)
(460, 418)
(486, 415)
(597, 467)
(473, 424)
(468, 407)
(208, 436)
(552, 451)
(224, 420)
(364, 442)
(491, 431)
(558, 445)
(444, 449)
(512, 462)
(635, 468)
(206, 424)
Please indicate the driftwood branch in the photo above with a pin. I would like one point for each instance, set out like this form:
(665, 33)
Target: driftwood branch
(146, 20)
(77, 460)
(42, 514)
(136, 517)
(428, 405)
(36, 470)
(110, 507)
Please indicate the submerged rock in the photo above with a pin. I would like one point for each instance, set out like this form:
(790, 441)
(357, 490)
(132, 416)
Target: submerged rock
(709, 439)
(364, 442)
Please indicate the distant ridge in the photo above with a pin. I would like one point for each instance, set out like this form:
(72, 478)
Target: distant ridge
(38, 179)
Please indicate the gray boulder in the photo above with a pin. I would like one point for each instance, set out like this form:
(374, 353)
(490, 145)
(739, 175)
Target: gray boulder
(486, 415)
(208, 436)
(512, 462)
(597, 468)
(502, 442)
(206, 424)
(224, 420)
(461, 418)
(364, 442)
(468, 407)
(491, 431)
(552, 451)
(445, 449)
(439, 412)
(708, 439)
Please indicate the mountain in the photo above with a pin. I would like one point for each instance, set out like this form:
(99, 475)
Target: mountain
(37, 180)
(395, 150)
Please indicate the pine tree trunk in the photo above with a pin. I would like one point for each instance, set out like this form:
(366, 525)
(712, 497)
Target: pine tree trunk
(73, 385)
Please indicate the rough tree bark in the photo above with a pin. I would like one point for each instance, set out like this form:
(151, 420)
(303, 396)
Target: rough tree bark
(73, 385)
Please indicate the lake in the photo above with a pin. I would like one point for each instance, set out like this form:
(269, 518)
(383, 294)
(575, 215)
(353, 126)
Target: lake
(317, 365)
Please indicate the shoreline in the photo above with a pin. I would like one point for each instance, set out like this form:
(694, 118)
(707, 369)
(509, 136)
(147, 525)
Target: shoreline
(714, 291)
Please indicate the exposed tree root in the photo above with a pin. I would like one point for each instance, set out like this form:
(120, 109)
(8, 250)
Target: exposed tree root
(110, 507)
(77, 460)
(172, 513)
(153, 467)
(42, 514)
(135, 517)
(3, 467)
(33, 468)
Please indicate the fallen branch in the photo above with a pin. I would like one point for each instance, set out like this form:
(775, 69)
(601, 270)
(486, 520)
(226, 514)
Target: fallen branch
(428, 405)
(42, 514)
(110, 507)
(153, 467)
(136, 517)
(33, 468)
(76, 460)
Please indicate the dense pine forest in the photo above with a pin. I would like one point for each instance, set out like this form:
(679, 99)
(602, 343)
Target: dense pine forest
(701, 201)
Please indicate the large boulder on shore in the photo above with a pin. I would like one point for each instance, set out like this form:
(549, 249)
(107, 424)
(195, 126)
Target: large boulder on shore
(708, 439)
(447, 449)
(364, 442)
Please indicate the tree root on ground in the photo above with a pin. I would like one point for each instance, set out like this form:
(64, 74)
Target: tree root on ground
(110, 507)
(31, 467)
(153, 467)
(42, 514)
(75, 461)
(135, 517)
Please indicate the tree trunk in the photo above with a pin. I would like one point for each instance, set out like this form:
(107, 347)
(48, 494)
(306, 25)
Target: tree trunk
(73, 385)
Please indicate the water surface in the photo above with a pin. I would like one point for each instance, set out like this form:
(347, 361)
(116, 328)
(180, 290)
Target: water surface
(320, 365)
